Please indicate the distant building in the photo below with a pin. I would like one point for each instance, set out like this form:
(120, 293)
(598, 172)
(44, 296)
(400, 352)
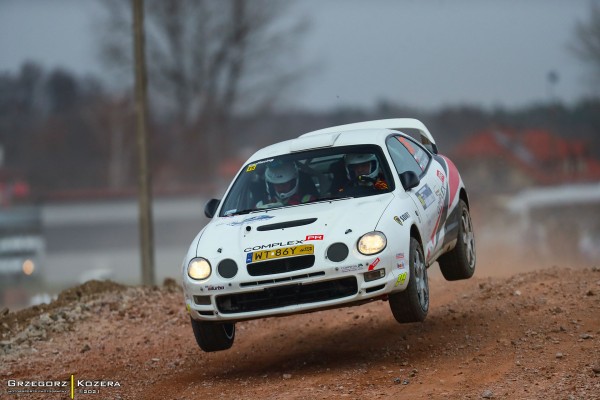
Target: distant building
(497, 161)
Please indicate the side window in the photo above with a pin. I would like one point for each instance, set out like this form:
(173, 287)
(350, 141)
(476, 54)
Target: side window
(407, 155)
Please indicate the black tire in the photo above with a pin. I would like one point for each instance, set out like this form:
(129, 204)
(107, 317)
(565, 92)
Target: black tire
(459, 263)
(213, 336)
(412, 304)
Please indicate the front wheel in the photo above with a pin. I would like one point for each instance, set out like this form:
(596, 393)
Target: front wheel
(214, 336)
(412, 304)
(459, 263)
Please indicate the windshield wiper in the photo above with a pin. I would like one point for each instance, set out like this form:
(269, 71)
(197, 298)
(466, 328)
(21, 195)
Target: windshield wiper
(329, 199)
(243, 212)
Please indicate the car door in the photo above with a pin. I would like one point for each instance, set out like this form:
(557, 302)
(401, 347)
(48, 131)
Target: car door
(408, 155)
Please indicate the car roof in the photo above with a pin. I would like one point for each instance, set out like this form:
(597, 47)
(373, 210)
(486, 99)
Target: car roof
(367, 132)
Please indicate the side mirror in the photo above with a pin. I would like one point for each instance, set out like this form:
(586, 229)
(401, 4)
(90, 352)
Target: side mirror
(211, 207)
(409, 180)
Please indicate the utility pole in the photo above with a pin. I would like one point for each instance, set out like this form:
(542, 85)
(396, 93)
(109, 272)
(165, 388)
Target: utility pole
(144, 182)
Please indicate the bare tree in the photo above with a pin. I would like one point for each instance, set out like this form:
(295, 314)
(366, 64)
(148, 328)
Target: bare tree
(586, 45)
(207, 60)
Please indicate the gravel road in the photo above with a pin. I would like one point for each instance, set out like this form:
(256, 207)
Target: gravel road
(527, 335)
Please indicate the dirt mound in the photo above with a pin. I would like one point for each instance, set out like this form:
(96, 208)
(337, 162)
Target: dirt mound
(87, 289)
(37, 322)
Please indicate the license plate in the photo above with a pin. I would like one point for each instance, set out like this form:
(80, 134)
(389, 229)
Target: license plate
(265, 255)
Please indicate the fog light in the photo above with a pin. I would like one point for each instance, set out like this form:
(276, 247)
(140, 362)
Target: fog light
(374, 275)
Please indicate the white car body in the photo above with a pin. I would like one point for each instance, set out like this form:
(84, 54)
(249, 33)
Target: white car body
(424, 212)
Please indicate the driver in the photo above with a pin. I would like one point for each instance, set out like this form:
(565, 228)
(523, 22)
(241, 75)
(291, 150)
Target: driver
(282, 183)
(362, 170)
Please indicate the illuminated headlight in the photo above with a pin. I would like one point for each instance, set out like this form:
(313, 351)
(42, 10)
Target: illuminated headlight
(371, 243)
(199, 269)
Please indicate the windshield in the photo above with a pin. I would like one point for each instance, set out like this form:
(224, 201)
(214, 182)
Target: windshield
(308, 177)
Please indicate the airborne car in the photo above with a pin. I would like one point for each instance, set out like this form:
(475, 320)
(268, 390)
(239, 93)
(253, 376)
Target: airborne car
(333, 218)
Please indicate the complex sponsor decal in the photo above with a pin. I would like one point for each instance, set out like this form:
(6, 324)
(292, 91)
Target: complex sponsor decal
(249, 219)
(374, 264)
(351, 268)
(252, 167)
(401, 279)
(425, 196)
(273, 245)
(69, 387)
(402, 218)
(314, 237)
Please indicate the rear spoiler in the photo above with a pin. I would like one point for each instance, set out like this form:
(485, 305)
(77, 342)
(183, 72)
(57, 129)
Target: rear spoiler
(395, 124)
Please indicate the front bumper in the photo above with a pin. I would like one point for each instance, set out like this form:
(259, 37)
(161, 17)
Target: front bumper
(294, 292)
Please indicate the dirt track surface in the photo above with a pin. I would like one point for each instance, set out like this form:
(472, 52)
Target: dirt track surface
(528, 336)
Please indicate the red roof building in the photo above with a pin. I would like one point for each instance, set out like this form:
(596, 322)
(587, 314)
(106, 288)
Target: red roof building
(500, 160)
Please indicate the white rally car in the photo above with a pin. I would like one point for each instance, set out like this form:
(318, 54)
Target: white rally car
(336, 217)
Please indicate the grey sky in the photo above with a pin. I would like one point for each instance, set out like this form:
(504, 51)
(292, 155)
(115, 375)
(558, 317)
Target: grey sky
(424, 54)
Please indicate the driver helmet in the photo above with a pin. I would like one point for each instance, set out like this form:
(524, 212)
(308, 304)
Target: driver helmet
(353, 161)
(282, 180)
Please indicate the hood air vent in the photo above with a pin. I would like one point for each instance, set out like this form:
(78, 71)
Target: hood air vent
(288, 224)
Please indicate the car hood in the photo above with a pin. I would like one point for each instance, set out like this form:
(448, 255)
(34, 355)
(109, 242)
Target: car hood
(323, 222)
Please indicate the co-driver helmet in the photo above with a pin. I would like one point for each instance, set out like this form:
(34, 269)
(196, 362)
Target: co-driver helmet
(355, 159)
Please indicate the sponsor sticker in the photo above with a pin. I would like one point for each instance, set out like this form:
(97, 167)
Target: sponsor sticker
(265, 255)
(401, 279)
(402, 218)
(351, 268)
(401, 264)
(211, 288)
(314, 237)
(425, 196)
(249, 220)
(252, 167)
(400, 256)
(374, 264)
(440, 175)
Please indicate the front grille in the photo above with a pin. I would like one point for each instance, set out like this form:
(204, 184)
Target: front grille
(288, 295)
(278, 280)
(281, 265)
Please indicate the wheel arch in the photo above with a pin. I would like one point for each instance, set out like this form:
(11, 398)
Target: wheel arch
(463, 196)
(414, 233)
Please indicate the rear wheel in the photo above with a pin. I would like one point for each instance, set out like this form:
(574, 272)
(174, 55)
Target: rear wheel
(214, 336)
(412, 304)
(459, 263)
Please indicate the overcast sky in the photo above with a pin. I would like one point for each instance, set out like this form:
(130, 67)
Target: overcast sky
(419, 53)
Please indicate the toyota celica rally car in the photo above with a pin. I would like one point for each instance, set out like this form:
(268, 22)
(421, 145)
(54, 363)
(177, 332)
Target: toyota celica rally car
(336, 217)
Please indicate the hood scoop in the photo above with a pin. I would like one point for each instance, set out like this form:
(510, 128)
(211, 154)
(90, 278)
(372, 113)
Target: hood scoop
(288, 224)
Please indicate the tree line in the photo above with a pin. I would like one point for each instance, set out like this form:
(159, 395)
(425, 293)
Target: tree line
(65, 132)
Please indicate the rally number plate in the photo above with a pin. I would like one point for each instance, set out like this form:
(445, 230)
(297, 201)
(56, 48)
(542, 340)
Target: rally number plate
(265, 255)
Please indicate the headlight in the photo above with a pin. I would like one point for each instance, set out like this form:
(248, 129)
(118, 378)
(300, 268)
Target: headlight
(371, 243)
(199, 269)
